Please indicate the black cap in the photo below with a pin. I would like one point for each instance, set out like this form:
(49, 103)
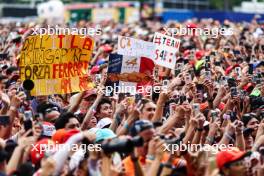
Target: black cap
(140, 126)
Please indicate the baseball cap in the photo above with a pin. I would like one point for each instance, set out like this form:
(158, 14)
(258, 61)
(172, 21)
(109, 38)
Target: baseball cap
(103, 134)
(140, 126)
(40, 148)
(58, 136)
(48, 129)
(68, 134)
(95, 69)
(230, 155)
(199, 54)
(104, 122)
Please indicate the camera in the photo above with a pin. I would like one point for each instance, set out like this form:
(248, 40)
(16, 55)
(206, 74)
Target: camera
(125, 145)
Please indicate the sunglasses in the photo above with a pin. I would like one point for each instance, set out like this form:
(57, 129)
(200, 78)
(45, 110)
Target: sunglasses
(151, 109)
(51, 109)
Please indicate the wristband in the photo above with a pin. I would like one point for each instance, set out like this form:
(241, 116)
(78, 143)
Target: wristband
(229, 137)
(199, 129)
(210, 139)
(118, 119)
(126, 126)
(151, 157)
(167, 165)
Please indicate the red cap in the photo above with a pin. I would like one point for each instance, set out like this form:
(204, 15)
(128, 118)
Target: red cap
(58, 136)
(39, 149)
(199, 54)
(186, 53)
(248, 87)
(95, 69)
(221, 106)
(228, 70)
(191, 25)
(69, 134)
(229, 155)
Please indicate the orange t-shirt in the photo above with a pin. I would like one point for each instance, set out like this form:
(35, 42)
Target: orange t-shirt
(129, 166)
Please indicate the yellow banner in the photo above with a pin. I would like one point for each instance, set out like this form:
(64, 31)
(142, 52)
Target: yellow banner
(57, 64)
(132, 15)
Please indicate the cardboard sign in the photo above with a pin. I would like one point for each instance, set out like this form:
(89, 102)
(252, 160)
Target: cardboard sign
(162, 51)
(56, 64)
(133, 47)
(166, 49)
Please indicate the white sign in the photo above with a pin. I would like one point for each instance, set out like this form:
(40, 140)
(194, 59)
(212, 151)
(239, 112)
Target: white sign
(133, 47)
(166, 49)
(162, 51)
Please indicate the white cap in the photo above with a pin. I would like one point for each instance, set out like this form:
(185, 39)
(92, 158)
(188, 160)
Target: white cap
(104, 122)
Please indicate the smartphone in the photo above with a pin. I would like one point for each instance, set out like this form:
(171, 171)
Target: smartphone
(156, 72)
(223, 80)
(98, 78)
(233, 116)
(217, 63)
(177, 72)
(28, 117)
(4, 120)
(3, 56)
(188, 79)
(165, 82)
(233, 91)
(213, 53)
(214, 114)
(138, 97)
(231, 82)
(238, 71)
(207, 58)
(250, 69)
(196, 108)
(207, 75)
(182, 99)
(179, 66)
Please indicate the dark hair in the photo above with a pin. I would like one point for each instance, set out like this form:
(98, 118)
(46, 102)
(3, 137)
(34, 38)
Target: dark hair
(11, 70)
(45, 105)
(103, 101)
(64, 119)
(144, 101)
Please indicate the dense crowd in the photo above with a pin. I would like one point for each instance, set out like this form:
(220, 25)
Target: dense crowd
(207, 121)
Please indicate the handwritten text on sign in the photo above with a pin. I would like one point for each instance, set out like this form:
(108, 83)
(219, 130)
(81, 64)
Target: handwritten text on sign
(163, 52)
(166, 49)
(56, 64)
(133, 47)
